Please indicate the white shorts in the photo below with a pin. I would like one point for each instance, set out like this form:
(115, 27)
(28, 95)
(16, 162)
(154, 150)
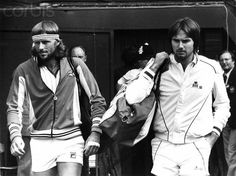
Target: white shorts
(47, 152)
(180, 159)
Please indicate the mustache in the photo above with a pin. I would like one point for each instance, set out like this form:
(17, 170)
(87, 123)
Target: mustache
(42, 62)
(42, 51)
(180, 50)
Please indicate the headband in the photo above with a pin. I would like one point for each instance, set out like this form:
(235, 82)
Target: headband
(40, 37)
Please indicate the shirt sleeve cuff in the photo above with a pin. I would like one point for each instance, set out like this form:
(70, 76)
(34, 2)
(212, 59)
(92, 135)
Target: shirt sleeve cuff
(15, 131)
(95, 126)
(216, 130)
(148, 74)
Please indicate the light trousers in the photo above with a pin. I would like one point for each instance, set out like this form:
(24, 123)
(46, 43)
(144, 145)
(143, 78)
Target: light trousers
(189, 159)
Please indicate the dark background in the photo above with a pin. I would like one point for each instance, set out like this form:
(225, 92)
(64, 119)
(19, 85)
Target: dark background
(105, 28)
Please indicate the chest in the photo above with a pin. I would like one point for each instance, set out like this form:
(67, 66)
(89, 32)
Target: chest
(192, 82)
(231, 85)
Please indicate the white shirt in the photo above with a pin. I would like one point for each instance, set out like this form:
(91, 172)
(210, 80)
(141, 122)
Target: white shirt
(185, 106)
(49, 79)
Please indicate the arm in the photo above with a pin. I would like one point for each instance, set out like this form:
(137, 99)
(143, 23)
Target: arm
(212, 137)
(221, 104)
(14, 113)
(98, 106)
(141, 88)
(127, 77)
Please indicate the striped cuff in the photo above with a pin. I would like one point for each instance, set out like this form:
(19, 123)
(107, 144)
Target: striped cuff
(216, 130)
(15, 131)
(96, 129)
(95, 126)
(148, 74)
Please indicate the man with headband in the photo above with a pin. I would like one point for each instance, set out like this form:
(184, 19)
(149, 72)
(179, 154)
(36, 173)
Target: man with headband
(47, 82)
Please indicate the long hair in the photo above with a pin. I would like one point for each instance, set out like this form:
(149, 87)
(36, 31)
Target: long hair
(191, 29)
(49, 27)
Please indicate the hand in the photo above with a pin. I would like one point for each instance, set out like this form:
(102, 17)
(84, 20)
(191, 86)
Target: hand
(159, 60)
(211, 138)
(160, 57)
(17, 146)
(92, 144)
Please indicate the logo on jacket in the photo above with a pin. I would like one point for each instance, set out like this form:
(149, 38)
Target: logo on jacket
(71, 74)
(196, 85)
(73, 155)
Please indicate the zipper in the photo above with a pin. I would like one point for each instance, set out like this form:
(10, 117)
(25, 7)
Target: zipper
(54, 113)
(55, 99)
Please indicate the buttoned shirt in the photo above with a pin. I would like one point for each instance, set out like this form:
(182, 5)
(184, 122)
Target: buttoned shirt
(192, 102)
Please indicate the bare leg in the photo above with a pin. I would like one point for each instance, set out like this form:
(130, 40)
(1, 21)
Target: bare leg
(71, 169)
(50, 172)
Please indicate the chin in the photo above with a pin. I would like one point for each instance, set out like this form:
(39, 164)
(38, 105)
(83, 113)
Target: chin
(181, 57)
(43, 60)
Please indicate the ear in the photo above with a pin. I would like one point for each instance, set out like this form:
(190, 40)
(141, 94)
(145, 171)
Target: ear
(85, 58)
(58, 42)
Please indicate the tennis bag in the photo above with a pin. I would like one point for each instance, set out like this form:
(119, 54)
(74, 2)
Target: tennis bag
(128, 124)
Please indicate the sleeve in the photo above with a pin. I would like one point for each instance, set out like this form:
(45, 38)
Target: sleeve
(140, 88)
(120, 82)
(14, 103)
(97, 101)
(129, 76)
(221, 104)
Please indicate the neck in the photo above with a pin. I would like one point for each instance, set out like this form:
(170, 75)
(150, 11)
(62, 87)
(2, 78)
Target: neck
(53, 65)
(228, 70)
(185, 61)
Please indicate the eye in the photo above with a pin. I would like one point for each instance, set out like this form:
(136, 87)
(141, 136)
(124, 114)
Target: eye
(175, 40)
(36, 43)
(78, 57)
(45, 42)
(186, 40)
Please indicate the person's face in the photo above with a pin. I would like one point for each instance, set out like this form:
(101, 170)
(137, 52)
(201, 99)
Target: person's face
(45, 48)
(78, 53)
(226, 61)
(183, 46)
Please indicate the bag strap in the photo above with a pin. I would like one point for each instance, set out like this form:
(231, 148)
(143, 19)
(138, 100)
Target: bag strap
(85, 106)
(69, 59)
(164, 67)
(157, 78)
(73, 67)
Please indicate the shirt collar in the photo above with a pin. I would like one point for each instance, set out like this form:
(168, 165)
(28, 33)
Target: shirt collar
(194, 61)
(227, 74)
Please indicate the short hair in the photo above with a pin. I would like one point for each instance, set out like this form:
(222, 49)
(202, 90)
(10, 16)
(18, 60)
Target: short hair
(49, 27)
(190, 27)
(227, 51)
(76, 46)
